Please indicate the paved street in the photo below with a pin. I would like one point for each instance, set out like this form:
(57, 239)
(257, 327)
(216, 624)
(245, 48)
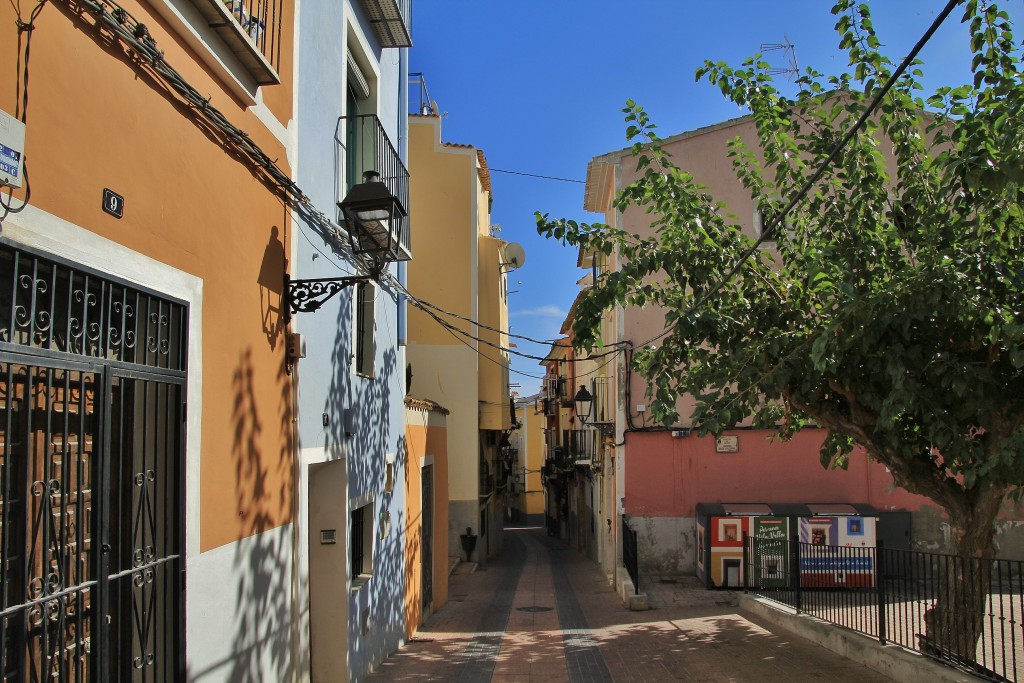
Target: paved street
(543, 613)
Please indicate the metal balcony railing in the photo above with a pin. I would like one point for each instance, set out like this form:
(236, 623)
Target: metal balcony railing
(567, 448)
(556, 392)
(365, 146)
(252, 30)
(580, 445)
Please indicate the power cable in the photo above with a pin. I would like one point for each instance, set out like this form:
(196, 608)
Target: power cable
(25, 29)
(769, 230)
(137, 38)
(779, 218)
(536, 175)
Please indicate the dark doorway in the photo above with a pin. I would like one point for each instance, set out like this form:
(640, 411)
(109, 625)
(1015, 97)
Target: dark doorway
(427, 551)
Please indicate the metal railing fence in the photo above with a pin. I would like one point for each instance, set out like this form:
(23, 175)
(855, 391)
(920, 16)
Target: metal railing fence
(889, 594)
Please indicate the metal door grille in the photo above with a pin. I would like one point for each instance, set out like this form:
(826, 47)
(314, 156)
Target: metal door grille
(92, 377)
(143, 565)
(46, 515)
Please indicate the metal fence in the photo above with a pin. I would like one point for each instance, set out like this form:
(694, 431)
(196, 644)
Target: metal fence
(887, 594)
(629, 555)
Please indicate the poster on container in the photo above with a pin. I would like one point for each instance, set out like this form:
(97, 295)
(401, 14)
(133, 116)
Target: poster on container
(771, 540)
(837, 551)
(727, 550)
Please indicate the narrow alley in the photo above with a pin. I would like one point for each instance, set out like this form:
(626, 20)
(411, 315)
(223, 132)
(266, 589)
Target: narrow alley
(542, 612)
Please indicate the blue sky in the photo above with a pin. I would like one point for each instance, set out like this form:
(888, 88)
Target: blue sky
(539, 86)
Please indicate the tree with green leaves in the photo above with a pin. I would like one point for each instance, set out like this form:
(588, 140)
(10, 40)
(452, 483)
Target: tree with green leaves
(888, 310)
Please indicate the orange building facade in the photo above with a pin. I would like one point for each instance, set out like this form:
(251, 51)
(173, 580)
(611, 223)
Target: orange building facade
(426, 533)
(143, 258)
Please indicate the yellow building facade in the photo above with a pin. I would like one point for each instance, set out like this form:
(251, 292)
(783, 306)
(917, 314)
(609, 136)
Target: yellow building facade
(454, 349)
(527, 494)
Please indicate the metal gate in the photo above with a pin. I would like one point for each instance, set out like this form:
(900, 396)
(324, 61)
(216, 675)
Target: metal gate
(92, 381)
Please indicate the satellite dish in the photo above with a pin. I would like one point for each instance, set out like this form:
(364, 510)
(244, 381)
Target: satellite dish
(514, 255)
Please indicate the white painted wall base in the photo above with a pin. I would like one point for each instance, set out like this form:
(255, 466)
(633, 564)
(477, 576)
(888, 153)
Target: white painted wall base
(238, 604)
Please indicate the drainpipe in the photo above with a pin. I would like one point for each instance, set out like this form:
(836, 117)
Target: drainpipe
(403, 153)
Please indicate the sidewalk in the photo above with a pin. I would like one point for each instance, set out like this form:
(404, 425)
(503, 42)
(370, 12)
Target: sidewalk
(541, 612)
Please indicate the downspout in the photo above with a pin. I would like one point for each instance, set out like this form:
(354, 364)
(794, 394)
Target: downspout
(403, 153)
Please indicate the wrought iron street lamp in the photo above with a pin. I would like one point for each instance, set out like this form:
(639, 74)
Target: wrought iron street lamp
(374, 218)
(583, 401)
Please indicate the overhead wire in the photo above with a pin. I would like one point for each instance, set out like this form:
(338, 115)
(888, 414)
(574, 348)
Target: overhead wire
(779, 218)
(25, 28)
(769, 230)
(137, 38)
(537, 175)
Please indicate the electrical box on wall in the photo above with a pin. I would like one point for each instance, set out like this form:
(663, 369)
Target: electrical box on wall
(296, 346)
(12, 150)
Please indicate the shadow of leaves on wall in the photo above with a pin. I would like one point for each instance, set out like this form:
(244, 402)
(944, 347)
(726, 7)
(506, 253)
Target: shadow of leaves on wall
(263, 558)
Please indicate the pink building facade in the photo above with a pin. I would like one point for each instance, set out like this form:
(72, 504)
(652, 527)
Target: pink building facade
(663, 473)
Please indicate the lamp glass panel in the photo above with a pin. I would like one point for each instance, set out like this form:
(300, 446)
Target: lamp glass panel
(374, 215)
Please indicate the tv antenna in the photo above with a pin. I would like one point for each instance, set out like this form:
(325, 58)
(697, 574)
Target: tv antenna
(788, 51)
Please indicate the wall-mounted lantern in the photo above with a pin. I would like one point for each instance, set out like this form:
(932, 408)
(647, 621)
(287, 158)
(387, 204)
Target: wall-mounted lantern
(583, 401)
(373, 218)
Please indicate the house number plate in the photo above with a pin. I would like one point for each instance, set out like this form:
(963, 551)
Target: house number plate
(113, 203)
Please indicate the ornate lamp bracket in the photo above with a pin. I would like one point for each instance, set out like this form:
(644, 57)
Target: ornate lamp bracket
(305, 296)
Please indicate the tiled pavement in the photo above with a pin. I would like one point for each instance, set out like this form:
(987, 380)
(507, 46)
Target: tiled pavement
(543, 613)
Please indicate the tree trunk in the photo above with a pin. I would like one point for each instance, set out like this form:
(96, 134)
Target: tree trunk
(955, 622)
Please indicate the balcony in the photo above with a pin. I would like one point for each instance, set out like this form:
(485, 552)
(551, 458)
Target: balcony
(390, 21)
(365, 146)
(550, 407)
(568, 448)
(580, 446)
(252, 31)
(556, 391)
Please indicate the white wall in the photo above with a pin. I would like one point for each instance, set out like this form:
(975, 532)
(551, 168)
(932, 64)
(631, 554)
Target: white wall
(326, 382)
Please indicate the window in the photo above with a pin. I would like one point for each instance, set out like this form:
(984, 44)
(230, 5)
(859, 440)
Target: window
(366, 295)
(360, 116)
(361, 543)
(762, 219)
(389, 473)
(763, 216)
